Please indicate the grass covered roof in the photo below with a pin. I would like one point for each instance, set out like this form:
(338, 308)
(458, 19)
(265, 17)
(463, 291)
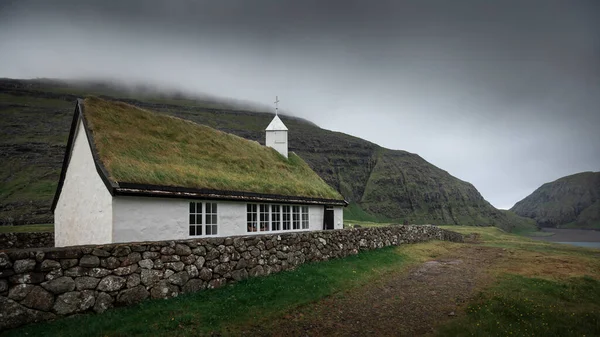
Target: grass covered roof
(143, 147)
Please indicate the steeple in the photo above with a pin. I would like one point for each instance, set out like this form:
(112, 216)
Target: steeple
(276, 133)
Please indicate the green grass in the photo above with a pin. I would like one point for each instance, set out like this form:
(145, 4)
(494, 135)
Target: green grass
(138, 146)
(253, 300)
(523, 306)
(27, 228)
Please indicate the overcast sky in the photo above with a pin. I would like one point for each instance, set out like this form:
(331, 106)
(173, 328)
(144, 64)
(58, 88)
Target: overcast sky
(503, 94)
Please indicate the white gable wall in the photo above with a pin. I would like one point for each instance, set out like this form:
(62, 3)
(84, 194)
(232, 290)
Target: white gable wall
(151, 219)
(83, 213)
(278, 140)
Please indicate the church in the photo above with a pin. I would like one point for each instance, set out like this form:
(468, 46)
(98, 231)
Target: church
(132, 175)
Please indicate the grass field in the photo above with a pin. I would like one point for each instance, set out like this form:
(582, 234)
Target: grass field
(538, 288)
(27, 228)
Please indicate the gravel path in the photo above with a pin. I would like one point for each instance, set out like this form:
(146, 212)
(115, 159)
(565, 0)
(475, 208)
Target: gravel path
(405, 304)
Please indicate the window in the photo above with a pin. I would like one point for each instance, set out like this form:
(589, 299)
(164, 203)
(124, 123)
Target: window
(251, 217)
(286, 217)
(264, 217)
(211, 218)
(275, 217)
(304, 217)
(296, 217)
(195, 218)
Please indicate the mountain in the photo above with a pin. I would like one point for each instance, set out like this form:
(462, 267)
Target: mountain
(569, 202)
(380, 184)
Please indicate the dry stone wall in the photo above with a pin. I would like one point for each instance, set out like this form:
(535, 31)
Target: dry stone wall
(42, 284)
(26, 240)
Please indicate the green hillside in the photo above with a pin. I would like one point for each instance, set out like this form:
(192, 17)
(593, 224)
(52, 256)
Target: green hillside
(380, 184)
(569, 202)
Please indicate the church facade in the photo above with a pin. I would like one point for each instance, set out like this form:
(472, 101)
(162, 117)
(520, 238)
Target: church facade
(92, 206)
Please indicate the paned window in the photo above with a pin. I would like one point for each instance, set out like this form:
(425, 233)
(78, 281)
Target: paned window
(296, 217)
(275, 217)
(195, 218)
(251, 217)
(264, 217)
(211, 218)
(304, 217)
(286, 218)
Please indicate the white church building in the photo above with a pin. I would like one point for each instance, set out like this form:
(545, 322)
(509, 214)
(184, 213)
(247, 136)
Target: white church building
(126, 177)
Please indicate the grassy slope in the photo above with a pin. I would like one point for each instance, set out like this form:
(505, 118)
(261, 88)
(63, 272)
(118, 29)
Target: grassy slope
(138, 146)
(542, 288)
(570, 202)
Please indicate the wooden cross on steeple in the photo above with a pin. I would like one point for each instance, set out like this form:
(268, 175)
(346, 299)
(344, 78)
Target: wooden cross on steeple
(276, 105)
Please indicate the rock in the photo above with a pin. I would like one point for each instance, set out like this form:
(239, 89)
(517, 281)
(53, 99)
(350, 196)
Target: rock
(133, 295)
(200, 250)
(76, 271)
(192, 271)
(3, 286)
(221, 269)
(86, 282)
(200, 262)
(205, 274)
(20, 291)
(13, 314)
(21, 266)
(89, 261)
(150, 255)
(170, 258)
(68, 263)
(167, 251)
(132, 258)
(4, 261)
(125, 270)
(38, 299)
(111, 283)
(179, 279)
(133, 280)
(150, 276)
(121, 251)
(190, 259)
(163, 289)
(241, 264)
(182, 250)
(193, 286)
(59, 285)
(451, 313)
(31, 278)
(146, 264)
(212, 254)
(100, 252)
(110, 262)
(257, 271)
(103, 302)
(98, 272)
(73, 302)
(48, 265)
(176, 266)
(216, 283)
(54, 274)
(240, 274)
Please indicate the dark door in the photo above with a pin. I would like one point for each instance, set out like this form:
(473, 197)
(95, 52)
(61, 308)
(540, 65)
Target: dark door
(328, 218)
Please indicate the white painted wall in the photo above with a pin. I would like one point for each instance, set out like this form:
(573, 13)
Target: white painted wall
(151, 219)
(338, 217)
(83, 214)
(278, 140)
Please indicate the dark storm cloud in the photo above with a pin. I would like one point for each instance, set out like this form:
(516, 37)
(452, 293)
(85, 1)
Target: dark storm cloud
(504, 94)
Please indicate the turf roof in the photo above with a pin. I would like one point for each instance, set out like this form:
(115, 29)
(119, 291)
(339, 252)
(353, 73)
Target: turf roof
(143, 147)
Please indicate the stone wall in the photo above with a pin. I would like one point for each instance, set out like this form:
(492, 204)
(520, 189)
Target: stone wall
(42, 284)
(26, 240)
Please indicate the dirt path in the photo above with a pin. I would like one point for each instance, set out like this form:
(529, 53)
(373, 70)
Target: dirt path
(405, 304)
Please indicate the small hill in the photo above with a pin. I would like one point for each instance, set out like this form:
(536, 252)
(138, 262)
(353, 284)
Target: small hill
(380, 184)
(569, 202)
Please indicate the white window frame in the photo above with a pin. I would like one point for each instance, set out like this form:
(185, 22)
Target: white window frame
(264, 218)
